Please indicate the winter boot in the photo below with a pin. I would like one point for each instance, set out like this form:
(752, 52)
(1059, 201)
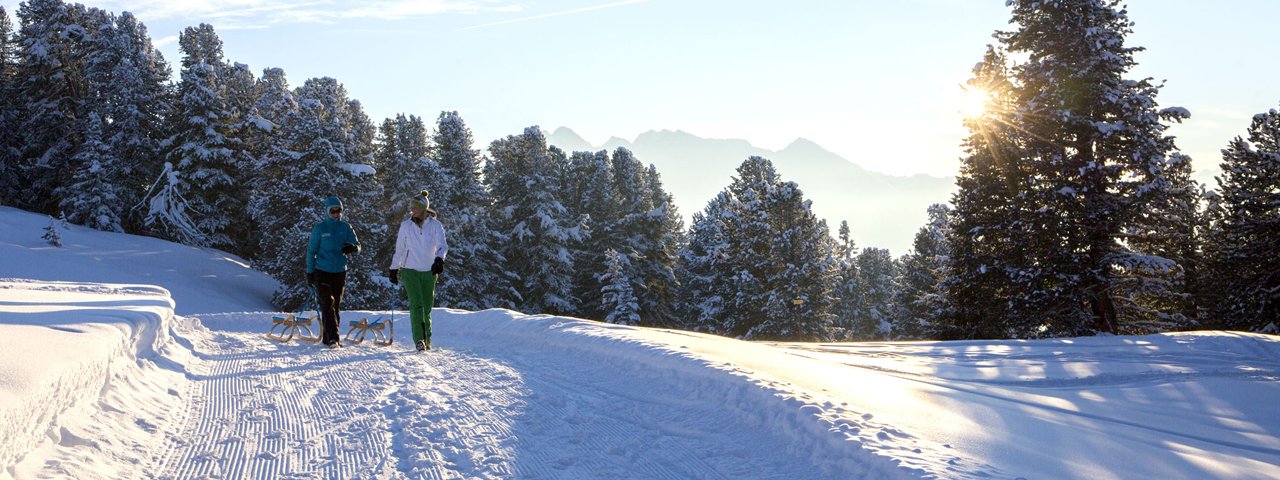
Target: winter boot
(421, 344)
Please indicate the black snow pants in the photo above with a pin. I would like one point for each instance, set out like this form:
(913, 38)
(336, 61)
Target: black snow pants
(329, 287)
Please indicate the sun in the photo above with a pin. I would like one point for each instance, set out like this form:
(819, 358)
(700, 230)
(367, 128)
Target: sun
(974, 101)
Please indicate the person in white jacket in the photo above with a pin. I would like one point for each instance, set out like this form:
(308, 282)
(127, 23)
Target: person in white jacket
(419, 259)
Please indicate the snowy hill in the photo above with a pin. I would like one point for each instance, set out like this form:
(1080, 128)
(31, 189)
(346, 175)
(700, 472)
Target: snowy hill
(100, 379)
(882, 210)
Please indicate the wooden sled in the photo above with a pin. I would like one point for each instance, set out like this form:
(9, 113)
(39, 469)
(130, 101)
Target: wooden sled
(291, 326)
(383, 330)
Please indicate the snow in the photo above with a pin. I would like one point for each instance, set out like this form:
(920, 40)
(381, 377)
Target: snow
(104, 375)
(357, 169)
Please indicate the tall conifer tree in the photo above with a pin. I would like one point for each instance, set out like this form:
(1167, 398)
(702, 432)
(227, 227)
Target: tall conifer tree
(1247, 263)
(919, 305)
(759, 264)
(1088, 152)
(525, 177)
(477, 278)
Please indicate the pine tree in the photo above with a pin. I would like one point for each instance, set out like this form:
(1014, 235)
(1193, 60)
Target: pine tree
(1250, 229)
(661, 232)
(1069, 156)
(592, 194)
(9, 151)
(618, 299)
(200, 45)
(127, 78)
(245, 137)
(204, 155)
(53, 93)
(93, 198)
(477, 276)
(805, 272)
(1157, 292)
(52, 234)
(991, 225)
(759, 264)
(704, 260)
(874, 294)
(845, 308)
(919, 305)
(524, 175)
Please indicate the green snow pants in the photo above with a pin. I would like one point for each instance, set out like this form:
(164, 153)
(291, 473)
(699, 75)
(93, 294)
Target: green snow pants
(422, 296)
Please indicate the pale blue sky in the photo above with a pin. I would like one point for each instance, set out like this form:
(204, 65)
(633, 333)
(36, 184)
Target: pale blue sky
(876, 82)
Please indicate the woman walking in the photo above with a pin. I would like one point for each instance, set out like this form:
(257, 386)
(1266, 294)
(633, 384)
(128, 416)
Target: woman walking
(331, 241)
(419, 259)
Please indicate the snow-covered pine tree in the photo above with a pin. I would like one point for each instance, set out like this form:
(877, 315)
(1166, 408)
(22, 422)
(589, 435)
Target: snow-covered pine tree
(9, 152)
(704, 260)
(1096, 141)
(591, 194)
(658, 247)
(1247, 248)
(1157, 292)
(874, 293)
(200, 44)
(647, 228)
(402, 152)
(133, 85)
(266, 135)
(845, 308)
(52, 233)
(524, 176)
(477, 276)
(245, 138)
(753, 252)
(991, 235)
(617, 297)
(51, 89)
(94, 198)
(803, 272)
(202, 155)
(919, 303)
(275, 102)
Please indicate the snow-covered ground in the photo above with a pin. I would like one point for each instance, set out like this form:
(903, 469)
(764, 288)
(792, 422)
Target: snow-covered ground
(99, 378)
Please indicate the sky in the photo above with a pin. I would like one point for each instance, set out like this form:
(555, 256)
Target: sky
(876, 82)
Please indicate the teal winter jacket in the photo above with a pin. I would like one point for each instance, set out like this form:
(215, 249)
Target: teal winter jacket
(324, 251)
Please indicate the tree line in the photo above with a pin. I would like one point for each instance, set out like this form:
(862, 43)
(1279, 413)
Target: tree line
(1075, 214)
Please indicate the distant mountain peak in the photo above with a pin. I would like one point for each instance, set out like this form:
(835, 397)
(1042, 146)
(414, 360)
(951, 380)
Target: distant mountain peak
(804, 144)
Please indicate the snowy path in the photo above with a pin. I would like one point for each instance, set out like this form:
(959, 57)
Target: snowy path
(472, 409)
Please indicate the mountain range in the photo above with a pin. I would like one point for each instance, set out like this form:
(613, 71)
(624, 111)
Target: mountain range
(883, 210)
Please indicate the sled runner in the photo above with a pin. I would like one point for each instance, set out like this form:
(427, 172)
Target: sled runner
(292, 325)
(383, 330)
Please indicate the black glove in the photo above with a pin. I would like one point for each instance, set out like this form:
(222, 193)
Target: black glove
(311, 279)
(395, 276)
(348, 249)
(438, 266)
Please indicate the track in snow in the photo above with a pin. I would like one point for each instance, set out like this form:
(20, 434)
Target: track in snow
(469, 410)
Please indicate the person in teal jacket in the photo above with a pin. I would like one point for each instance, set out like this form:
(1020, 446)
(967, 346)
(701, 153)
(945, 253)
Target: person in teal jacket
(331, 241)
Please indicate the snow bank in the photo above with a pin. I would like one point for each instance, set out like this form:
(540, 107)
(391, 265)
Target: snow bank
(200, 280)
(83, 369)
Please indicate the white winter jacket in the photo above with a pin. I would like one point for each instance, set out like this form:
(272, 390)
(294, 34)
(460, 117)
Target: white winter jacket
(417, 247)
